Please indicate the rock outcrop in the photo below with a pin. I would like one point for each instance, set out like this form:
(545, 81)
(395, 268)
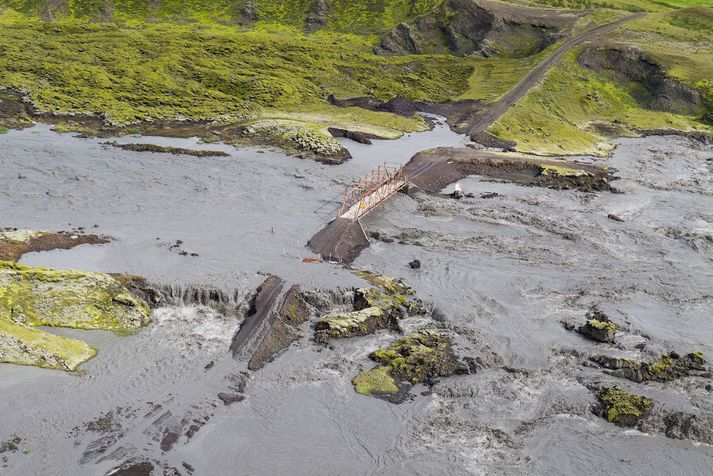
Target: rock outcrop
(463, 27)
(419, 357)
(665, 368)
(31, 297)
(598, 327)
(15, 243)
(623, 408)
(375, 308)
(655, 88)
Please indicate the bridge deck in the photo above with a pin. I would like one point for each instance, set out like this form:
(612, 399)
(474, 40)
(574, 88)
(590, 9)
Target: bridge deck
(374, 199)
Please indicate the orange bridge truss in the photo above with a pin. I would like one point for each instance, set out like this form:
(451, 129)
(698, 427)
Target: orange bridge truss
(371, 191)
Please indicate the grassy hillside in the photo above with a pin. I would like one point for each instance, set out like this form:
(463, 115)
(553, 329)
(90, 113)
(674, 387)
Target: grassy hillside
(363, 17)
(576, 109)
(133, 61)
(628, 5)
(168, 70)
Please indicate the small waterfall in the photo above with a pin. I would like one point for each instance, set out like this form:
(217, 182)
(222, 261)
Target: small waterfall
(326, 300)
(224, 302)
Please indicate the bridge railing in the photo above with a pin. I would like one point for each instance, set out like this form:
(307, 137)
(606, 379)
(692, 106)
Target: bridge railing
(369, 192)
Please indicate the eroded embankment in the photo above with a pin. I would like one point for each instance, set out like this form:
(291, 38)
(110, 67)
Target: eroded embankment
(15, 243)
(434, 169)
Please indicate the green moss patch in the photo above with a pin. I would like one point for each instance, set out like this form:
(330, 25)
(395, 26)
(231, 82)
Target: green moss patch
(623, 408)
(32, 297)
(375, 381)
(418, 357)
(170, 71)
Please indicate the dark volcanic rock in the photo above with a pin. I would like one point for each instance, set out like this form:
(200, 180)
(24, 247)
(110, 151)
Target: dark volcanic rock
(396, 105)
(141, 468)
(684, 426)
(598, 327)
(356, 136)
(230, 398)
(292, 312)
(318, 16)
(489, 140)
(168, 150)
(665, 368)
(11, 444)
(278, 338)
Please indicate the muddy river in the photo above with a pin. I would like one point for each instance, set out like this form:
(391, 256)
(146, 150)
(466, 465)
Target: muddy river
(503, 269)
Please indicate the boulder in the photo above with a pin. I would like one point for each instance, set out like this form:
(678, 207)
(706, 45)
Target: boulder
(598, 327)
(623, 408)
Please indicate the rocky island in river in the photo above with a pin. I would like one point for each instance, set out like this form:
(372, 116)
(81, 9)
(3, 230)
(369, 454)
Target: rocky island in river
(356, 237)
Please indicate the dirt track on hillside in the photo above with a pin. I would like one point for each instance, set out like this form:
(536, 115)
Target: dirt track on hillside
(485, 120)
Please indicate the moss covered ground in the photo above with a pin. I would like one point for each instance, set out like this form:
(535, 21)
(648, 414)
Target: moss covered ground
(32, 297)
(623, 408)
(627, 5)
(252, 63)
(137, 73)
(575, 111)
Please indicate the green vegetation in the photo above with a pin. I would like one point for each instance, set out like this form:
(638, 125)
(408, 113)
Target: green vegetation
(572, 109)
(628, 5)
(31, 297)
(252, 64)
(623, 408)
(362, 17)
(169, 71)
(495, 76)
(354, 323)
(387, 284)
(374, 309)
(375, 381)
(417, 357)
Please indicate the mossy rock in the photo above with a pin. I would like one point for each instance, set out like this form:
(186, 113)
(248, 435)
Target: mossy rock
(67, 298)
(377, 381)
(599, 330)
(31, 297)
(561, 171)
(374, 309)
(392, 286)
(664, 369)
(623, 408)
(351, 324)
(418, 357)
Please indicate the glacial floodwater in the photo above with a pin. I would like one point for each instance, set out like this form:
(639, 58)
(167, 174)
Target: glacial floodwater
(504, 272)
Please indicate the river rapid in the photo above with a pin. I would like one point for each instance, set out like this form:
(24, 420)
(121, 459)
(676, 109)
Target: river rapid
(503, 272)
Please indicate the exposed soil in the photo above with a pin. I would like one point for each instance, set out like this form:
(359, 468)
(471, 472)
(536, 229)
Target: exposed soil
(168, 150)
(341, 240)
(13, 250)
(432, 170)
